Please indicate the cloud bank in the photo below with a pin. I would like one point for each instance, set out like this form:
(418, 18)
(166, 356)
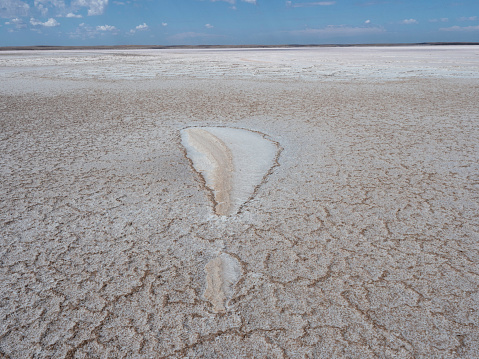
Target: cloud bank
(13, 8)
(409, 21)
(51, 22)
(95, 7)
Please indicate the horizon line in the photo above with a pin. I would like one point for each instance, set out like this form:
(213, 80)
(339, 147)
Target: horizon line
(250, 46)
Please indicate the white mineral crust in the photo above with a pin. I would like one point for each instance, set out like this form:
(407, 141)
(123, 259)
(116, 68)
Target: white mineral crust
(232, 161)
(346, 187)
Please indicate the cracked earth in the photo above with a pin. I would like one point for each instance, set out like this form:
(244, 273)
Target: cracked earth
(362, 242)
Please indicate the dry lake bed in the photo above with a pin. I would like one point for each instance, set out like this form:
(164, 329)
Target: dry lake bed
(240, 203)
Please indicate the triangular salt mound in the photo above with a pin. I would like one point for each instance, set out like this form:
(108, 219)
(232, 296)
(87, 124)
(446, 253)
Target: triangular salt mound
(232, 161)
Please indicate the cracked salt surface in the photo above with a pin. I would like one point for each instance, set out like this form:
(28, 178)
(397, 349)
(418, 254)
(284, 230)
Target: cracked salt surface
(362, 243)
(369, 64)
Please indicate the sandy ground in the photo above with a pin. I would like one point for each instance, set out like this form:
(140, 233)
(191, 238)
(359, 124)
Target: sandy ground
(362, 243)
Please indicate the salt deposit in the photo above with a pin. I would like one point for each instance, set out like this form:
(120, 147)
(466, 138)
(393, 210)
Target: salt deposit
(223, 273)
(355, 234)
(233, 162)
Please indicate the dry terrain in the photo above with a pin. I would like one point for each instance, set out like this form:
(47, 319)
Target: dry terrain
(361, 242)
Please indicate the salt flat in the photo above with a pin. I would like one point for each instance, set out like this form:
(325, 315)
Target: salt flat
(361, 242)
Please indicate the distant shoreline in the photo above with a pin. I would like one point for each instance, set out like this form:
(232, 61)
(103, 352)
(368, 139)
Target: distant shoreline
(160, 47)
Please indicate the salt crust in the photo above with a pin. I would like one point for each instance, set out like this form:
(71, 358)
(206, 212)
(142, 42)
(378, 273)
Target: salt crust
(232, 161)
(361, 244)
(222, 273)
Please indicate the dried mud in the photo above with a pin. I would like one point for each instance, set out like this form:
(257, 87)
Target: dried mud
(362, 243)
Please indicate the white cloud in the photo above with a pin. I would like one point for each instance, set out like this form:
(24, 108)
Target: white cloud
(228, 1)
(54, 3)
(44, 5)
(51, 22)
(164, 24)
(43, 9)
(13, 8)
(141, 27)
(367, 22)
(70, 14)
(17, 22)
(459, 28)
(250, 1)
(334, 31)
(35, 22)
(443, 19)
(95, 7)
(309, 4)
(470, 18)
(14, 21)
(105, 28)
(84, 31)
(209, 26)
(409, 21)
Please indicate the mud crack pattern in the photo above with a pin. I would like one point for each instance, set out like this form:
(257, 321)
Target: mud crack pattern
(363, 243)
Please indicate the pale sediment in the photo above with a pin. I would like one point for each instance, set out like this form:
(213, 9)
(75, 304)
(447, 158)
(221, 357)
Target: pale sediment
(222, 273)
(361, 244)
(232, 161)
(213, 159)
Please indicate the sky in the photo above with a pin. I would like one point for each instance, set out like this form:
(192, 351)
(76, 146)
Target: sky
(235, 22)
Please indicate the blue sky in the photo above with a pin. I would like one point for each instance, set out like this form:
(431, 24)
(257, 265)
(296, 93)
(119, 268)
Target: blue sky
(180, 22)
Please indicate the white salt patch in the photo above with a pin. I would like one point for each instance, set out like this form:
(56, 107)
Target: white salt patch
(232, 161)
(370, 64)
(222, 273)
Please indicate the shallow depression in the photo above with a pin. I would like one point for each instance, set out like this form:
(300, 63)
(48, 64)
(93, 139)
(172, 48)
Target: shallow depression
(233, 162)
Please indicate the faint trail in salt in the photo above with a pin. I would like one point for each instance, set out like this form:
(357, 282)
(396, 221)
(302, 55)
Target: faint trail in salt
(222, 273)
